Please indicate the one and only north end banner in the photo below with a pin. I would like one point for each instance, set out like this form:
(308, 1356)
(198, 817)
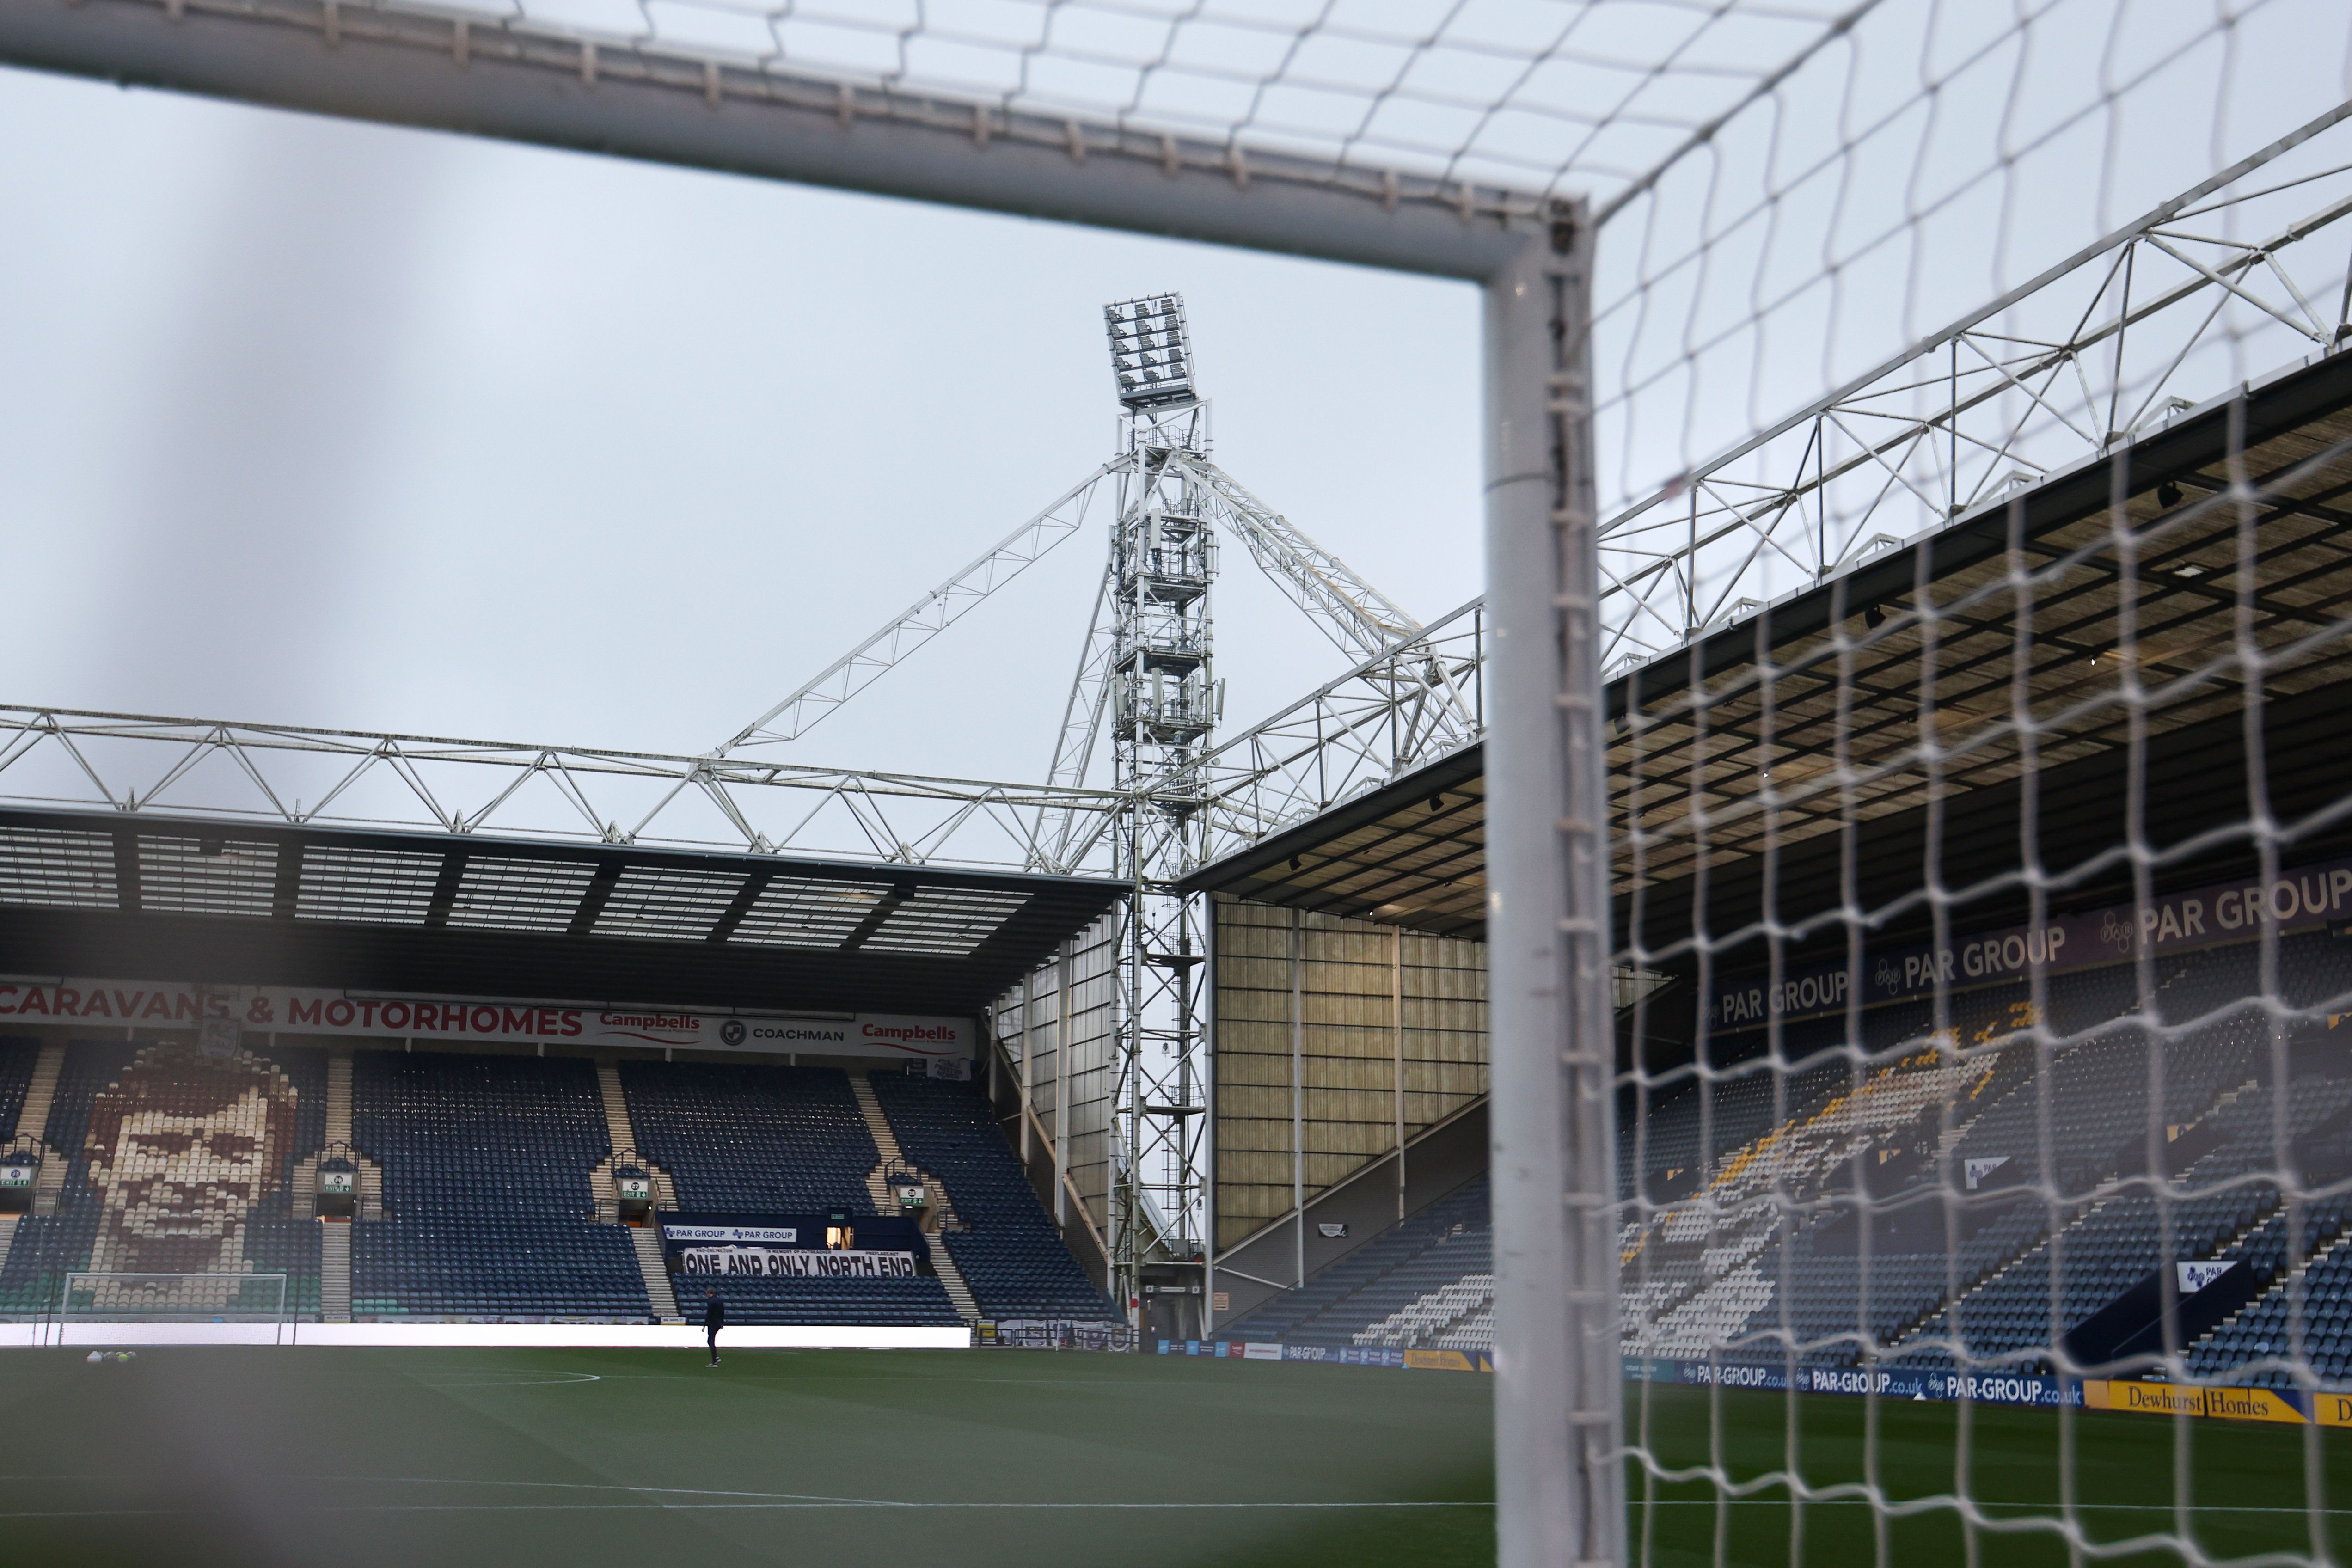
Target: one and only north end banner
(2213, 916)
(168, 1005)
(713, 1248)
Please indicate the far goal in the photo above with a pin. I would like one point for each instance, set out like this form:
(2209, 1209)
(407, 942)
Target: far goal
(105, 1298)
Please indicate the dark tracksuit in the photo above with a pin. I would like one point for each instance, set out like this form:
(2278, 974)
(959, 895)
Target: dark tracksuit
(714, 1318)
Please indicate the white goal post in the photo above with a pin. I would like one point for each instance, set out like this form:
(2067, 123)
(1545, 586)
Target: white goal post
(101, 1297)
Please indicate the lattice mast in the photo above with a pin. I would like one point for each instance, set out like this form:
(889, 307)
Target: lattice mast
(1159, 684)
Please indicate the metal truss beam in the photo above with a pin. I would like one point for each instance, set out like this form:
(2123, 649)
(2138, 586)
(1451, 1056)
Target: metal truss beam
(1359, 617)
(926, 618)
(301, 776)
(2063, 369)
(492, 75)
(1393, 713)
(1964, 418)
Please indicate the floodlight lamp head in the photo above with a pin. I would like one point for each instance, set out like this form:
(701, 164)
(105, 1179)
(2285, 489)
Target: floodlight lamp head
(1150, 353)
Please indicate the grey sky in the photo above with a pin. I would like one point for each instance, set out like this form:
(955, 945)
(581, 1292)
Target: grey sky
(324, 422)
(316, 422)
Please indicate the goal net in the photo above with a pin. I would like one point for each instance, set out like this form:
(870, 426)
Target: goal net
(1984, 1118)
(1974, 647)
(110, 1297)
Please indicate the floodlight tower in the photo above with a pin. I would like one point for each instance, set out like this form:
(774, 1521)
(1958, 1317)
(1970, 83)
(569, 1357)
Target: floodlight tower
(1163, 697)
(1163, 688)
(1145, 702)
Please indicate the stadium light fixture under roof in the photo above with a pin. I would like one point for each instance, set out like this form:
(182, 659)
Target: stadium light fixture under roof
(1150, 353)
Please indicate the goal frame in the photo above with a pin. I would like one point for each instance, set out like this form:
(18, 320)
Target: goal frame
(66, 1315)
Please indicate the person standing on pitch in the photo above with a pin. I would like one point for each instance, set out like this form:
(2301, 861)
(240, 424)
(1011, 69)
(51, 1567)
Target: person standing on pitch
(714, 1318)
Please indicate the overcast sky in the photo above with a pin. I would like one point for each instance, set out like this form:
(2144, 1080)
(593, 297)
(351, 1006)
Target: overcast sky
(314, 422)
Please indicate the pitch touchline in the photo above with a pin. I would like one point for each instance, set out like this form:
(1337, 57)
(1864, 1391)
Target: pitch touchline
(751, 1500)
(656, 1507)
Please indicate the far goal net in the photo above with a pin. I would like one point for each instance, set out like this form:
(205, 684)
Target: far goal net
(107, 1297)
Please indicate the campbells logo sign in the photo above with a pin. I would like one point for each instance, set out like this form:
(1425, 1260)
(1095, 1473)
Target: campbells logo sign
(294, 1010)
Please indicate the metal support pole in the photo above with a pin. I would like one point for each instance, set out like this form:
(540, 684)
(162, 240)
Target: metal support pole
(1298, 1111)
(1062, 1090)
(1396, 1013)
(1209, 1240)
(1028, 1054)
(1559, 1490)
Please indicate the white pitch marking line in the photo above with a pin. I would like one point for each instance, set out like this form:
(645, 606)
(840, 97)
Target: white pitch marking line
(749, 1499)
(757, 1507)
(1913, 1505)
(96, 1513)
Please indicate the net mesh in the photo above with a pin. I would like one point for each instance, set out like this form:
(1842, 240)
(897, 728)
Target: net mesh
(1952, 249)
(1986, 1145)
(1972, 443)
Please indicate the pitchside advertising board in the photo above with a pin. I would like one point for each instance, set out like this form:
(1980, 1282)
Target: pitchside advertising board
(2224, 912)
(716, 1248)
(2291, 1406)
(949, 1043)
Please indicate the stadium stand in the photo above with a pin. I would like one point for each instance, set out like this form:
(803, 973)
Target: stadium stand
(1008, 1252)
(2007, 1208)
(1374, 1295)
(749, 1137)
(46, 1247)
(488, 1214)
(16, 1058)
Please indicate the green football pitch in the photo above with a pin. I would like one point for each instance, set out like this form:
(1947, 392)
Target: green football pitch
(580, 1458)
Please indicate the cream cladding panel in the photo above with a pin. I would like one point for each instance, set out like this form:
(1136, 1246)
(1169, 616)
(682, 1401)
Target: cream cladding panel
(1344, 1090)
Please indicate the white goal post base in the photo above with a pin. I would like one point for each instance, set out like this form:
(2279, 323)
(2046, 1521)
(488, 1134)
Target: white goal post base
(514, 1336)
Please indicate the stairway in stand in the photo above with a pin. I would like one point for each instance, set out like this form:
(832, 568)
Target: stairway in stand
(339, 1098)
(32, 1121)
(644, 1238)
(335, 1271)
(335, 1235)
(886, 1142)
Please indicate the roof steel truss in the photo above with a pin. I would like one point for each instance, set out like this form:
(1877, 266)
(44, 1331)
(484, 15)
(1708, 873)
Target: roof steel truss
(2107, 344)
(299, 776)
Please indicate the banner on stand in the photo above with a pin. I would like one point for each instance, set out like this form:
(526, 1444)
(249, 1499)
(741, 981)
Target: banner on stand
(171, 1005)
(2222, 913)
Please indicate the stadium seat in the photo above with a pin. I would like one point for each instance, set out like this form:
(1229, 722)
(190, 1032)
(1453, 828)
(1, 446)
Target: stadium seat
(47, 1248)
(1008, 1252)
(487, 1209)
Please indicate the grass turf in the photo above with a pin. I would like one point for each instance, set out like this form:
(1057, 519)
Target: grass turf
(582, 1457)
(364, 1457)
(2245, 1482)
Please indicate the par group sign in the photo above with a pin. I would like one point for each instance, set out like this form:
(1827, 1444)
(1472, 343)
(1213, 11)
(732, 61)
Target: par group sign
(169, 1004)
(2298, 899)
